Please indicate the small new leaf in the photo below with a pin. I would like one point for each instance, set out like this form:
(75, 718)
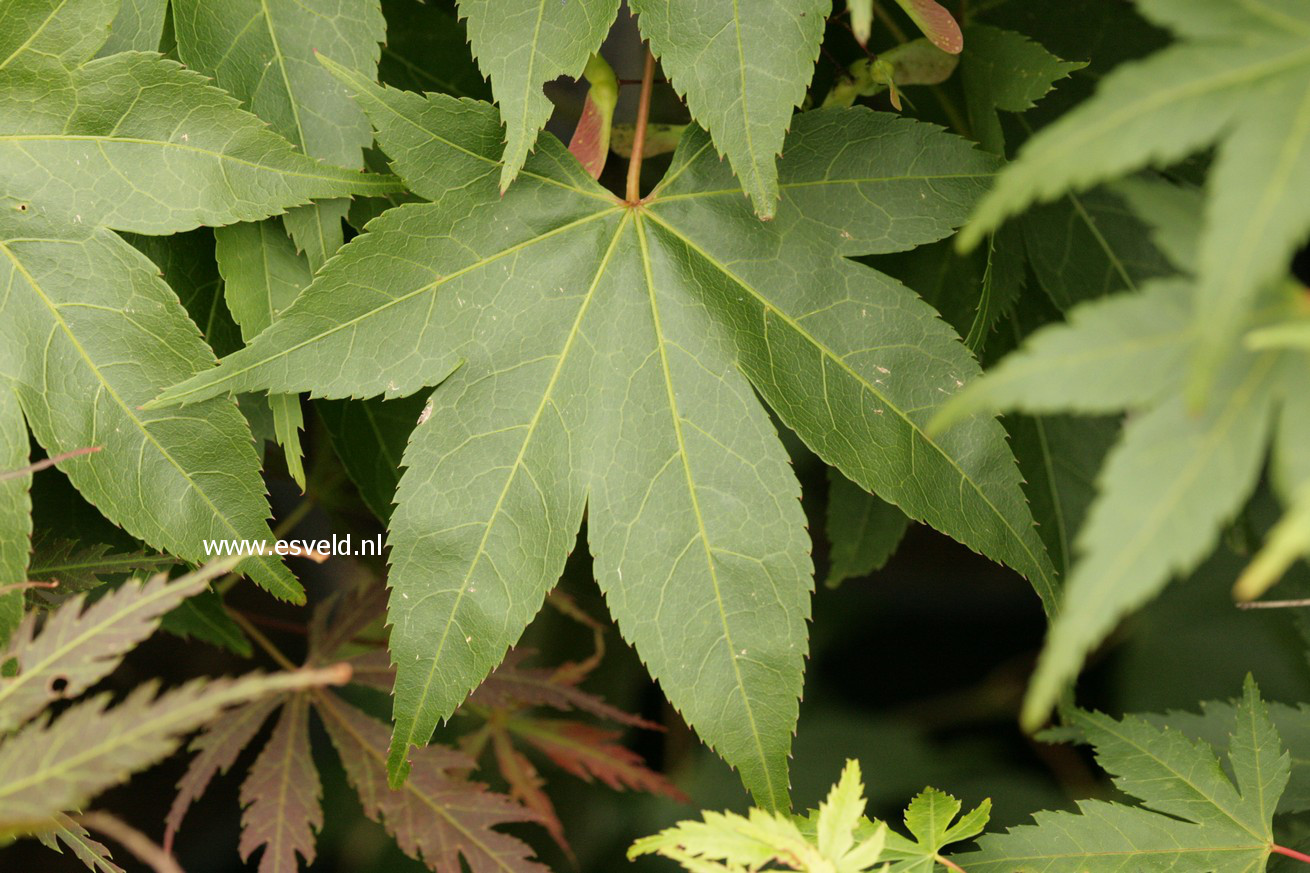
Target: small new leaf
(730, 843)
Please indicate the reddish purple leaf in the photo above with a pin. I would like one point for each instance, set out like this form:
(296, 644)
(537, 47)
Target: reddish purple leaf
(936, 23)
(282, 794)
(437, 817)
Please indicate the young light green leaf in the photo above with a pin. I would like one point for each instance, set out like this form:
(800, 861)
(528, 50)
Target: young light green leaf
(864, 530)
(1173, 213)
(672, 449)
(138, 27)
(113, 334)
(917, 62)
(1005, 70)
(1288, 542)
(262, 276)
(105, 147)
(742, 72)
(1166, 490)
(78, 647)
(523, 44)
(1192, 818)
(51, 766)
(842, 840)
(15, 510)
(282, 795)
(929, 819)
(66, 31)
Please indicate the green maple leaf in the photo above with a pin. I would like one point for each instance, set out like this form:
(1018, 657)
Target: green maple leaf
(608, 358)
(1239, 77)
(158, 476)
(1193, 816)
(136, 143)
(15, 509)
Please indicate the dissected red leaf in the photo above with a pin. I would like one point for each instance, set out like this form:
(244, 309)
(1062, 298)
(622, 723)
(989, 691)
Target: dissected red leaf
(216, 748)
(514, 686)
(937, 24)
(589, 752)
(437, 817)
(282, 795)
(526, 784)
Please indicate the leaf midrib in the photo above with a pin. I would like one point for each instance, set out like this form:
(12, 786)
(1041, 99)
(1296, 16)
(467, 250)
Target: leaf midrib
(385, 183)
(703, 533)
(530, 432)
(1049, 591)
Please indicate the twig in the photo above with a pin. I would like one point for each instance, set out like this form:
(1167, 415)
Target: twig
(1273, 604)
(262, 641)
(639, 135)
(131, 839)
(48, 462)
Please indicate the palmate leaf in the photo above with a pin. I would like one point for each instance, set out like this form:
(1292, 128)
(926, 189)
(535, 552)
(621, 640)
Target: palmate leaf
(839, 838)
(76, 647)
(1214, 725)
(1239, 76)
(138, 143)
(606, 356)
(51, 766)
(138, 27)
(436, 817)
(742, 72)
(216, 749)
(523, 44)
(88, 332)
(282, 795)
(1193, 817)
(931, 820)
(75, 566)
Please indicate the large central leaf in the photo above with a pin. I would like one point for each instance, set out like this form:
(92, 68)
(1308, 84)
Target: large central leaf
(593, 352)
